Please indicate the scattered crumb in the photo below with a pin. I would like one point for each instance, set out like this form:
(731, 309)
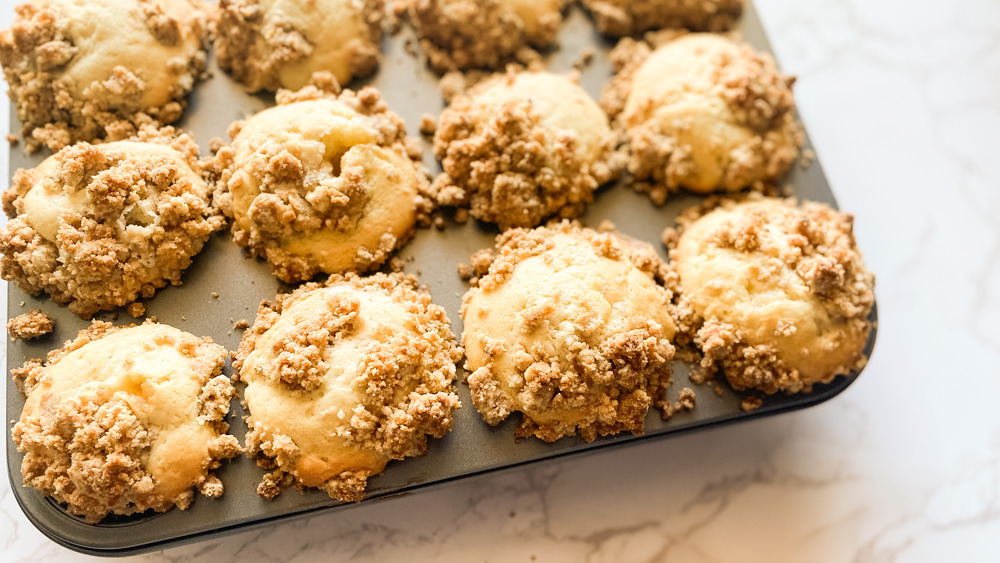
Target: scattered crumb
(428, 124)
(411, 48)
(586, 57)
(13, 139)
(686, 399)
(215, 295)
(464, 271)
(136, 309)
(183, 318)
(807, 158)
(751, 404)
(461, 215)
(718, 390)
(21, 304)
(241, 324)
(30, 325)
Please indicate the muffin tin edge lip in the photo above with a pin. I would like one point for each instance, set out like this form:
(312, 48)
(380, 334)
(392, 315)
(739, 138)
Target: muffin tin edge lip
(94, 540)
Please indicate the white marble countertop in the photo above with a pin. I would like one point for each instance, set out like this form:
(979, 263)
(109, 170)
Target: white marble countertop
(902, 100)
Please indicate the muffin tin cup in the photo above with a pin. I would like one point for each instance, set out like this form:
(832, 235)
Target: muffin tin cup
(473, 447)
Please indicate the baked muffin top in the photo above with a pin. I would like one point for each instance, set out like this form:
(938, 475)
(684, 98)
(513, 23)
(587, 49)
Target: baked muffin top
(343, 377)
(81, 70)
(704, 113)
(322, 183)
(100, 226)
(521, 147)
(272, 44)
(124, 420)
(569, 327)
(777, 295)
(481, 34)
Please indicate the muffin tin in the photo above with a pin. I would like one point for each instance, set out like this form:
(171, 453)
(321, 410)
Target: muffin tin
(241, 283)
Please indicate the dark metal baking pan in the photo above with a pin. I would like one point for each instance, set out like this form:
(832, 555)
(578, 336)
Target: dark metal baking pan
(472, 447)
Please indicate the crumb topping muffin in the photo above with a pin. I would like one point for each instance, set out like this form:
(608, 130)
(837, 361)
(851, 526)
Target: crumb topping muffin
(571, 328)
(776, 296)
(343, 377)
(78, 70)
(483, 34)
(519, 148)
(125, 420)
(99, 226)
(322, 183)
(271, 44)
(631, 17)
(703, 113)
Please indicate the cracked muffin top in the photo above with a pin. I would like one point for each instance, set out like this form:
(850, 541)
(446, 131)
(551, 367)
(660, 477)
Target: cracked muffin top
(78, 71)
(272, 44)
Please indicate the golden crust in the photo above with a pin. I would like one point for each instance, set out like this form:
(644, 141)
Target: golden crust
(483, 34)
(587, 351)
(343, 377)
(67, 88)
(522, 147)
(272, 44)
(124, 420)
(703, 113)
(322, 183)
(30, 325)
(775, 296)
(99, 226)
(632, 17)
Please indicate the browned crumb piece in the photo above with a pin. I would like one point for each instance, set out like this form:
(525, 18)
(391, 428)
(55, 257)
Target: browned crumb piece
(631, 17)
(29, 325)
(99, 226)
(241, 324)
(136, 309)
(363, 366)
(266, 47)
(703, 113)
(464, 271)
(428, 124)
(808, 156)
(570, 328)
(485, 34)
(513, 157)
(69, 87)
(775, 296)
(215, 295)
(13, 139)
(586, 57)
(750, 404)
(88, 445)
(686, 399)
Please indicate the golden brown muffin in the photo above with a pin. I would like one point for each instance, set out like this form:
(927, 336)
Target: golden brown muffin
(124, 420)
(631, 17)
(519, 148)
(271, 44)
(703, 113)
(99, 226)
(484, 34)
(569, 327)
(79, 70)
(322, 183)
(776, 296)
(343, 377)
